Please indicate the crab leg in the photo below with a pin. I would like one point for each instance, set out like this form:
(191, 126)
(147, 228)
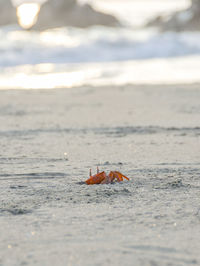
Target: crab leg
(118, 176)
(126, 177)
(112, 175)
(121, 175)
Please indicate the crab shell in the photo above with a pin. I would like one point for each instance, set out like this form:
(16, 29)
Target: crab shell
(102, 178)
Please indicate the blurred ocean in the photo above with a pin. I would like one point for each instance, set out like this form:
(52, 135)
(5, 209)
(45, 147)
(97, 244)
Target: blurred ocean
(67, 57)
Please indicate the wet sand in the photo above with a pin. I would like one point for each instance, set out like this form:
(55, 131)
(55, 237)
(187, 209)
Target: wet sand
(50, 138)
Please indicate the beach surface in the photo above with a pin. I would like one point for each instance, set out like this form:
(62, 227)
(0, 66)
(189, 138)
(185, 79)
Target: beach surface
(50, 139)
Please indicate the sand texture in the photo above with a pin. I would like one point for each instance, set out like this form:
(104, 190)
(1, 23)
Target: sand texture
(50, 138)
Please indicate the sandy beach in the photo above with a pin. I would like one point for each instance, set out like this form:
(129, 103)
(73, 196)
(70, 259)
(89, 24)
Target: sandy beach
(50, 139)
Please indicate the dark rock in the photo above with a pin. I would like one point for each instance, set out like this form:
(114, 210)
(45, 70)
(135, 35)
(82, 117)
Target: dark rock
(7, 13)
(185, 20)
(61, 13)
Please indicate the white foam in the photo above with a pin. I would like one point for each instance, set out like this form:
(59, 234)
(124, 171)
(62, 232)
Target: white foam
(156, 71)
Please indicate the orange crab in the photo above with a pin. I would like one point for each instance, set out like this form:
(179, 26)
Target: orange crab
(102, 178)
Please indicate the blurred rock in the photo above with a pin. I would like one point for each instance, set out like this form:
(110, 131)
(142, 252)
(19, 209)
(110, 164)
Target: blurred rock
(59, 13)
(185, 20)
(7, 13)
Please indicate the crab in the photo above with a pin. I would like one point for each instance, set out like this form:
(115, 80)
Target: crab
(102, 178)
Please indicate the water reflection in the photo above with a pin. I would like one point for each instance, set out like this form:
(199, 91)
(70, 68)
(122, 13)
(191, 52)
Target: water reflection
(27, 14)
